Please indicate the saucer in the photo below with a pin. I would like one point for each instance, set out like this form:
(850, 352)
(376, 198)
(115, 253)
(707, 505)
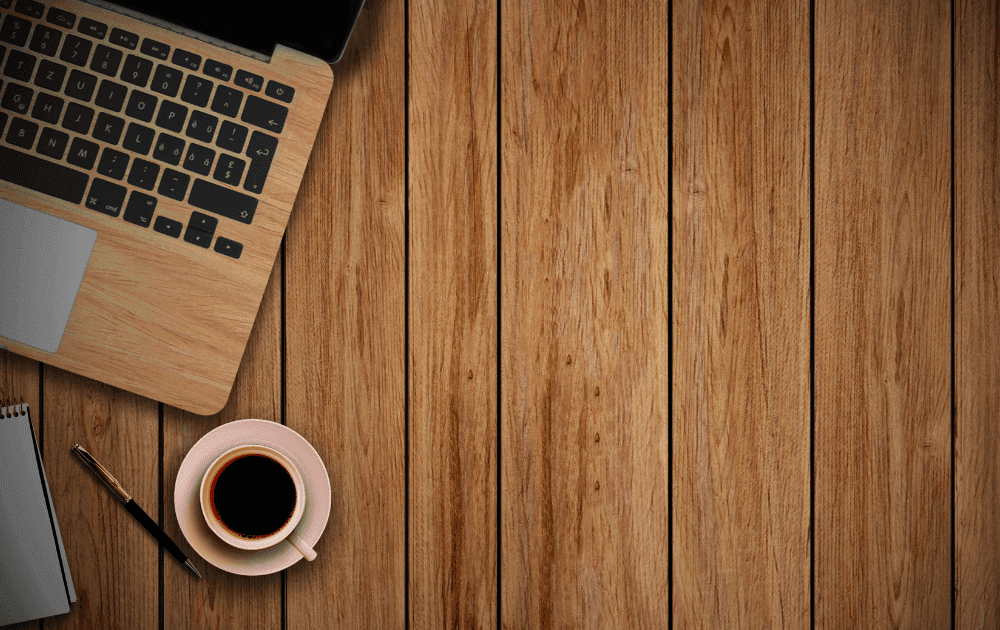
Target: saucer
(215, 443)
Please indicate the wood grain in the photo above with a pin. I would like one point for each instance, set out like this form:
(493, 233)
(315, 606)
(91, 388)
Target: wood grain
(113, 560)
(883, 308)
(585, 329)
(223, 600)
(344, 351)
(453, 314)
(977, 314)
(741, 315)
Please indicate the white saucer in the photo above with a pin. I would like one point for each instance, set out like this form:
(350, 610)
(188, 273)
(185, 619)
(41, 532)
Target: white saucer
(215, 443)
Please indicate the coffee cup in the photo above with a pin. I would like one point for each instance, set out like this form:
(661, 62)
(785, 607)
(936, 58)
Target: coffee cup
(253, 497)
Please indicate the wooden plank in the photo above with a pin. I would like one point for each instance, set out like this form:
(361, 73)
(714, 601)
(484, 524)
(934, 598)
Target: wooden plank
(19, 379)
(345, 323)
(977, 314)
(113, 560)
(741, 315)
(453, 314)
(221, 599)
(585, 328)
(882, 314)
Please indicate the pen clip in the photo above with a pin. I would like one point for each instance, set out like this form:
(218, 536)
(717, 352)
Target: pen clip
(102, 474)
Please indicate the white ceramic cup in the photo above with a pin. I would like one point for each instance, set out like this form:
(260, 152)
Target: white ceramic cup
(286, 532)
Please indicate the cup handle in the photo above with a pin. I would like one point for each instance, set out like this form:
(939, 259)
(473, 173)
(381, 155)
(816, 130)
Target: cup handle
(296, 541)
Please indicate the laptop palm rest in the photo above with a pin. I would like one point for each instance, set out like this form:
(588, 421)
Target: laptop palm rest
(42, 261)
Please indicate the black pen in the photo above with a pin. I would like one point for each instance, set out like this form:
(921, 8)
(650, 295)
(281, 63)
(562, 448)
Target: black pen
(116, 489)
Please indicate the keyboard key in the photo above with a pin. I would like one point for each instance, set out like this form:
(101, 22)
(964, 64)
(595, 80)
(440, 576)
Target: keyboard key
(196, 237)
(106, 197)
(111, 95)
(222, 201)
(173, 184)
(199, 159)
(106, 60)
(167, 80)
(197, 90)
(169, 149)
(45, 40)
(82, 153)
(6, 4)
(92, 28)
(52, 143)
(16, 98)
(186, 59)
(31, 8)
(81, 85)
(227, 101)
(50, 75)
(154, 48)
(136, 70)
(19, 65)
(264, 114)
(261, 152)
(203, 222)
(3, 121)
(108, 128)
(140, 209)
(171, 116)
(143, 174)
(124, 39)
(280, 91)
(61, 18)
(76, 50)
(112, 163)
(202, 126)
(232, 136)
(47, 108)
(15, 31)
(171, 228)
(138, 139)
(249, 81)
(43, 176)
(229, 170)
(21, 133)
(218, 70)
(141, 106)
(78, 118)
(229, 248)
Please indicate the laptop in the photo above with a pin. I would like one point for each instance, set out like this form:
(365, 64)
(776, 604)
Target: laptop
(150, 155)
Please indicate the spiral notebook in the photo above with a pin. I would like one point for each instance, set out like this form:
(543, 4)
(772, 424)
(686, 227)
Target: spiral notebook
(34, 575)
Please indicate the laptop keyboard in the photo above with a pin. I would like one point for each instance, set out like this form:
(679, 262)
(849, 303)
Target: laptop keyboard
(76, 95)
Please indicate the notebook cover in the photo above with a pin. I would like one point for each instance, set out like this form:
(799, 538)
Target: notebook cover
(34, 576)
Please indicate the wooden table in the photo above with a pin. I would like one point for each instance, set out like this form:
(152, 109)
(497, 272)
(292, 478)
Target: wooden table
(692, 322)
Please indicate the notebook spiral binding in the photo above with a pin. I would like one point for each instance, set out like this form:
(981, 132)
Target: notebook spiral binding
(10, 410)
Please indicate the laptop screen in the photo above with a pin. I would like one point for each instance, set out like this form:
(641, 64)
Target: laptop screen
(320, 29)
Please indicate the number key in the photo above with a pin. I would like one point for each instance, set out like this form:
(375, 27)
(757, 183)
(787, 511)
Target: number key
(167, 80)
(76, 50)
(45, 40)
(15, 31)
(136, 70)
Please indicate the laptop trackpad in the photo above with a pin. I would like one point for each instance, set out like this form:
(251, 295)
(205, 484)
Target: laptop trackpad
(42, 260)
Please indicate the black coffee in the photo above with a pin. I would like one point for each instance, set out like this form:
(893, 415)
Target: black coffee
(253, 496)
